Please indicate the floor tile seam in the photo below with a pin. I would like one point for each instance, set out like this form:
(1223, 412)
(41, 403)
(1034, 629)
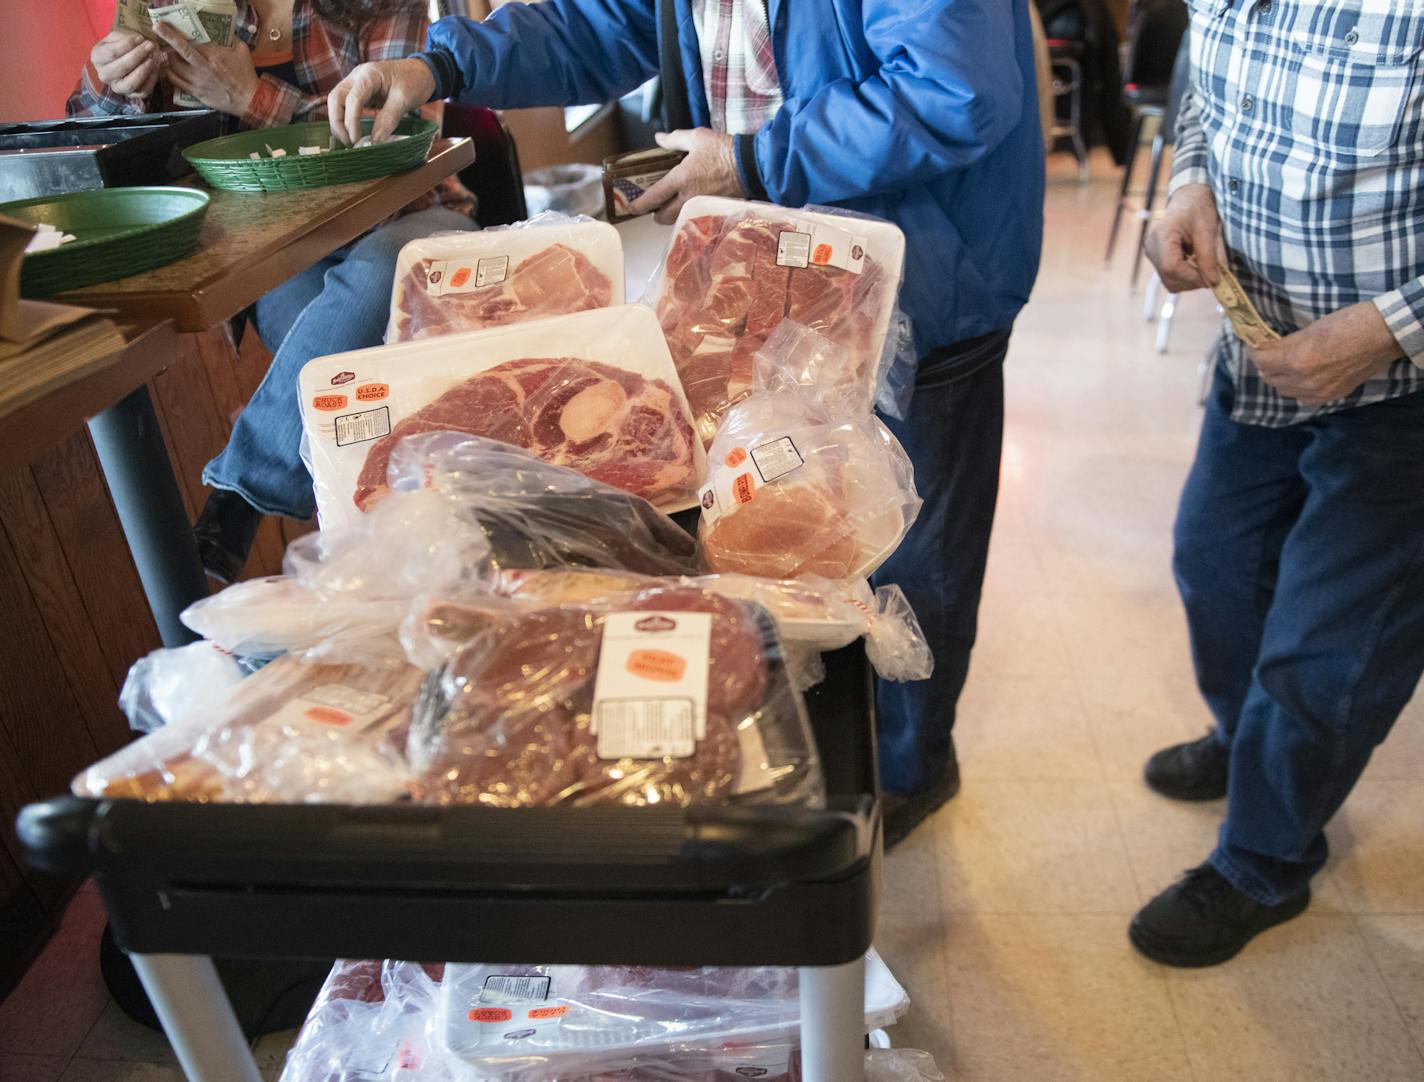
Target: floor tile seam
(1388, 988)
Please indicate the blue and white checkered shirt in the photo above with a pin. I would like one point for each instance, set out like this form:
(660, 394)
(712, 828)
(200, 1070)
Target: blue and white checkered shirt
(1307, 120)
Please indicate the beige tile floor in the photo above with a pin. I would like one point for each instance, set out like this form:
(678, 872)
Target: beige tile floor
(1005, 916)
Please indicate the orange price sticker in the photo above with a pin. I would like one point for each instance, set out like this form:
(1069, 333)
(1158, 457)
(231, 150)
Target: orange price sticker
(372, 392)
(743, 489)
(548, 1012)
(735, 457)
(327, 715)
(330, 402)
(822, 255)
(657, 665)
(459, 278)
(491, 1014)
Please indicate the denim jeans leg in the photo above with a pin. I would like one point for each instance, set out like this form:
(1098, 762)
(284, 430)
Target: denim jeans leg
(278, 309)
(262, 460)
(1240, 500)
(954, 436)
(1343, 647)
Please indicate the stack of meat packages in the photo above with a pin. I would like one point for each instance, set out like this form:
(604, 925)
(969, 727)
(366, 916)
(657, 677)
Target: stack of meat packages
(777, 321)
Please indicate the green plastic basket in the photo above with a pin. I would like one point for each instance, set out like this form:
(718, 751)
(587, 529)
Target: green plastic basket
(118, 232)
(225, 163)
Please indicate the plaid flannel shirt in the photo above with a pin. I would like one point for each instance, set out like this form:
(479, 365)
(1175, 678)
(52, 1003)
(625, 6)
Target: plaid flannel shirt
(743, 88)
(323, 53)
(1307, 120)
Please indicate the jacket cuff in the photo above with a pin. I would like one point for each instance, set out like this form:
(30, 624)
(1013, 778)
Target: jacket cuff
(744, 148)
(441, 62)
(273, 104)
(1403, 312)
(1193, 174)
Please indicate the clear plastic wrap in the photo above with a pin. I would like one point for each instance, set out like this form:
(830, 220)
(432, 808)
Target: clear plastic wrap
(672, 696)
(595, 391)
(550, 265)
(472, 1023)
(163, 684)
(799, 484)
(736, 269)
(292, 733)
(810, 612)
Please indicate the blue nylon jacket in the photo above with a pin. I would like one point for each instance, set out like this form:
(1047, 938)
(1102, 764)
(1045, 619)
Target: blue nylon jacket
(920, 111)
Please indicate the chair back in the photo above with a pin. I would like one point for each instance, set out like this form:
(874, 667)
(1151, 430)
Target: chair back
(1154, 32)
(495, 177)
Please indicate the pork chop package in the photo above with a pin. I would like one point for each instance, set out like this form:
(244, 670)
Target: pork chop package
(736, 269)
(674, 696)
(548, 1023)
(799, 484)
(292, 733)
(595, 391)
(550, 265)
(811, 613)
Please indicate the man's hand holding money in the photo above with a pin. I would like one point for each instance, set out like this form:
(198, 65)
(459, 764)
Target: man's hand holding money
(1185, 244)
(1329, 358)
(221, 77)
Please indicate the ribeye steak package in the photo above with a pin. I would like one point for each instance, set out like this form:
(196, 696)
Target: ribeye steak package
(547, 266)
(595, 391)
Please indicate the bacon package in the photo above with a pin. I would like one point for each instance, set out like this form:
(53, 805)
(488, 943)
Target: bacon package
(736, 269)
(550, 265)
(674, 696)
(798, 484)
(292, 733)
(379, 1021)
(595, 391)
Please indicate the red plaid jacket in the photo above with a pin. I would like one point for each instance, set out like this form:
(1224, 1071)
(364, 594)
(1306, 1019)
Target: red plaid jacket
(323, 53)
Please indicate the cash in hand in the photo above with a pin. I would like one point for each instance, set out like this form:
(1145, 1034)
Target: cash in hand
(200, 21)
(1250, 327)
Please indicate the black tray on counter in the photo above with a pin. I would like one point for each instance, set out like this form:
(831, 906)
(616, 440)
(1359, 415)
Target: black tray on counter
(51, 157)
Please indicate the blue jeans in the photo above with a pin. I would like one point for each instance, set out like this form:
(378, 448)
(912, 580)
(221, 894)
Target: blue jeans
(338, 304)
(954, 436)
(1300, 560)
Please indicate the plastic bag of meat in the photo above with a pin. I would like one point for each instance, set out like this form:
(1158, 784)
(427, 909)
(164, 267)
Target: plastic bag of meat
(540, 1023)
(292, 733)
(797, 484)
(811, 612)
(736, 269)
(595, 391)
(673, 696)
(550, 265)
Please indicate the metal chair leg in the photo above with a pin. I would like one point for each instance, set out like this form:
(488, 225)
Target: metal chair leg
(1133, 138)
(1149, 303)
(833, 1022)
(1164, 322)
(1149, 199)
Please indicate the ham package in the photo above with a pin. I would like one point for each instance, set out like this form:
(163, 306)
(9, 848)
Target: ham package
(379, 1021)
(675, 696)
(798, 483)
(550, 265)
(292, 733)
(736, 269)
(595, 391)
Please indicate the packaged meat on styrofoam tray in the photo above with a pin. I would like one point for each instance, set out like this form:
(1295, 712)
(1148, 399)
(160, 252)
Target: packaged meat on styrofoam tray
(736, 269)
(673, 696)
(389, 1021)
(292, 733)
(550, 265)
(810, 612)
(799, 484)
(595, 391)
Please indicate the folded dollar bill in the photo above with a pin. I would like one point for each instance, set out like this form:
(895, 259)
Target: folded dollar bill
(1250, 327)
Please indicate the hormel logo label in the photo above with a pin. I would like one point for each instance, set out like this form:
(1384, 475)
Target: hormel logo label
(752, 1072)
(656, 623)
(342, 377)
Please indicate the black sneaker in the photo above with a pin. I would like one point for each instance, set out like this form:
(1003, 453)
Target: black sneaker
(904, 813)
(1193, 771)
(1202, 920)
(224, 533)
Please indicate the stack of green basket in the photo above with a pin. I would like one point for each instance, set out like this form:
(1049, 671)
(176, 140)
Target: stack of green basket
(227, 163)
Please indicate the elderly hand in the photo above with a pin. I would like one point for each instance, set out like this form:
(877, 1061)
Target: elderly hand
(221, 77)
(1185, 244)
(397, 86)
(1329, 358)
(710, 168)
(127, 63)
